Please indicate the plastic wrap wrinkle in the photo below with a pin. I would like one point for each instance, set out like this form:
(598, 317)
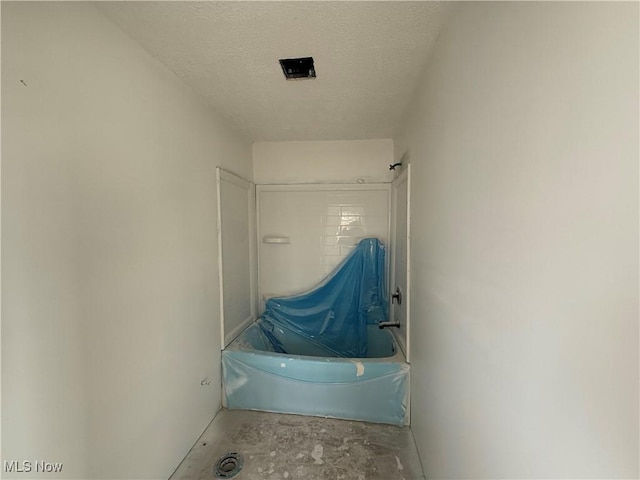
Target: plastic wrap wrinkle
(333, 317)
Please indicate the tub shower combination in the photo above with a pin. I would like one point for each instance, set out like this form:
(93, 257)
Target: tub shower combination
(324, 352)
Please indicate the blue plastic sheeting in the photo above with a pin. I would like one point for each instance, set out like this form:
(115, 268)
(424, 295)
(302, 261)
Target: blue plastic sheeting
(333, 317)
(380, 343)
(367, 389)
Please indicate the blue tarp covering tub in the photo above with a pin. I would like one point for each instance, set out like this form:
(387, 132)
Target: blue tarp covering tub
(334, 315)
(321, 352)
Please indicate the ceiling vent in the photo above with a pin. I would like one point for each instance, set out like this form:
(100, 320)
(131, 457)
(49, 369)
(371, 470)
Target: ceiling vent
(298, 68)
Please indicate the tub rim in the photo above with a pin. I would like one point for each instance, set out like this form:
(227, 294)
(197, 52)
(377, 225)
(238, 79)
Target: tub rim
(397, 357)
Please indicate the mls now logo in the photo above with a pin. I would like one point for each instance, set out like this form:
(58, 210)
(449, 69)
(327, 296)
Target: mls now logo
(27, 466)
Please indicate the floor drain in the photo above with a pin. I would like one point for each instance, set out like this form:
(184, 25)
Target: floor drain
(228, 466)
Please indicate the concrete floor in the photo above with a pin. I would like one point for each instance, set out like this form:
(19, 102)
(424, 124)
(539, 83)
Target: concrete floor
(287, 447)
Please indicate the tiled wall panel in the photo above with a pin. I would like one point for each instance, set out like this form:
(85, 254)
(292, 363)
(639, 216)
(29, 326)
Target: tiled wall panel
(321, 224)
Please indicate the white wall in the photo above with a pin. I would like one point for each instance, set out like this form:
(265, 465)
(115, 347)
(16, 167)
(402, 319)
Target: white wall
(110, 292)
(340, 161)
(523, 140)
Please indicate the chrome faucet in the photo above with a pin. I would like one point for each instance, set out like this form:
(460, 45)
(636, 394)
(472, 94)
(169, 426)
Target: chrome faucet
(388, 324)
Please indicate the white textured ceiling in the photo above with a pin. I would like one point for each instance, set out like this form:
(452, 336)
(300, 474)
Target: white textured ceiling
(368, 58)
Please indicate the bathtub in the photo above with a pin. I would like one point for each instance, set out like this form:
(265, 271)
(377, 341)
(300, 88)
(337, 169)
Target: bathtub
(307, 380)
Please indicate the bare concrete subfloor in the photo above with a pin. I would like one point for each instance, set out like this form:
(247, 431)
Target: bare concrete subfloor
(287, 447)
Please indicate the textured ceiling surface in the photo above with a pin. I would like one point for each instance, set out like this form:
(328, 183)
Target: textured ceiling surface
(368, 58)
